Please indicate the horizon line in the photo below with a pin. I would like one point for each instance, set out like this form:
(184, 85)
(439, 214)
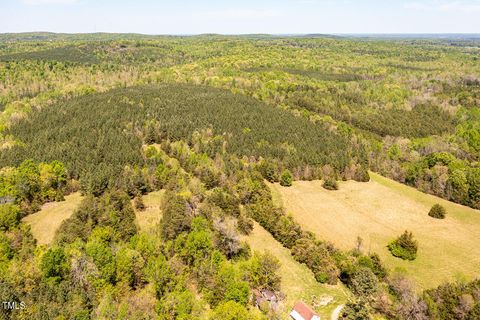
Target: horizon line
(252, 33)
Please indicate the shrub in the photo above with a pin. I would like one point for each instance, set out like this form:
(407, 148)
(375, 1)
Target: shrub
(404, 247)
(362, 175)
(244, 225)
(54, 264)
(129, 265)
(99, 249)
(268, 170)
(263, 271)
(9, 216)
(364, 282)
(178, 304)
(377, 267)
(226, 201)
(286, 179)
(6, 252)
(330, 184)
(437, 212)
(355, 311)
(231, 310)
(228, 284)
(316, 257)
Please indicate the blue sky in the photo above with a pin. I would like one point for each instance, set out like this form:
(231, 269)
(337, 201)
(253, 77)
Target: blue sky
(247, 16)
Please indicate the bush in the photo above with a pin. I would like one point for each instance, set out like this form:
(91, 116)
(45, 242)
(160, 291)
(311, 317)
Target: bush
(226, 201)
(244, 225)
(9, 216)
(316, 257)
(437, 212)
(364, 282)
(377, 267)
(355, 311)
(129, 266)
(54, 264)
(231, 310)
(330, 184)
(268, 170)
(179, 304)
(228, 285)
(6, 252)
(286, 179)
(263, 271)
(404, 247)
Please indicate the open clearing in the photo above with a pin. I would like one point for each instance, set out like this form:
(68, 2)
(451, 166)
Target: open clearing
(298, 282)
(152, 214)
(379, 211)
(45, 222)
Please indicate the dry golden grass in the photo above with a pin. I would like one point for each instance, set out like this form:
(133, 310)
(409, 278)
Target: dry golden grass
(298, 282)
(379, 211)
(152, 214)
(45, 223)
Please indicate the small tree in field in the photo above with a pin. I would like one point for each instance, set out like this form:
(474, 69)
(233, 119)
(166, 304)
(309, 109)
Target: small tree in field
(286, 179)
(330, 184)
(404, 247)
(437, 212)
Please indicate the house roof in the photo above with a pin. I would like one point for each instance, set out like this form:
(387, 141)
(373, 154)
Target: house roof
(304, 311)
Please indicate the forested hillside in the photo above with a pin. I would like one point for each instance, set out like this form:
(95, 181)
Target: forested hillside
(103, 133)
(209, 119)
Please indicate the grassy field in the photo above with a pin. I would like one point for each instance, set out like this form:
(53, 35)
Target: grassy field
(46, 222)
(379, 211)
(151, 215)
(298, 282)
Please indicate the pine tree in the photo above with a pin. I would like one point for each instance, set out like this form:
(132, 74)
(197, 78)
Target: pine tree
(286, 179)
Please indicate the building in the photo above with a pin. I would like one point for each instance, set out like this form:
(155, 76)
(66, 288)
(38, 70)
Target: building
(266, 296)
(303, 312)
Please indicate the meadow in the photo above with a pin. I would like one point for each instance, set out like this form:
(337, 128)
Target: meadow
(45, 222)
(378, 212)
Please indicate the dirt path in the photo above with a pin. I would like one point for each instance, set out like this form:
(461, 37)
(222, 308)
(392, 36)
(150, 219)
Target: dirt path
(336, 312)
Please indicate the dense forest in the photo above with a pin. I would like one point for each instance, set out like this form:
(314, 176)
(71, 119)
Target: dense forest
(210, 120)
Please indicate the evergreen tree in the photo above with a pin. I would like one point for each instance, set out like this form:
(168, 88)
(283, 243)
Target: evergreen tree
(404, 247)
(437, 212)
(176, 217)
(286, 179)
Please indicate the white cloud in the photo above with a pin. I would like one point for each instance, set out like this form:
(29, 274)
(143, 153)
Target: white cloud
(40, 2)
(445, 6)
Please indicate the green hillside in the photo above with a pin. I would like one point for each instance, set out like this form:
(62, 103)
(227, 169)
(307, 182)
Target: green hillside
(102, 133)
(196, 177)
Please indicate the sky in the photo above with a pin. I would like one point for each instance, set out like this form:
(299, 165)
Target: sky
(241, 17)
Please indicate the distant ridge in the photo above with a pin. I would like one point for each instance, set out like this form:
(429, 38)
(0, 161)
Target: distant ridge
(102, 36)
(322, 35)
(437, 36)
